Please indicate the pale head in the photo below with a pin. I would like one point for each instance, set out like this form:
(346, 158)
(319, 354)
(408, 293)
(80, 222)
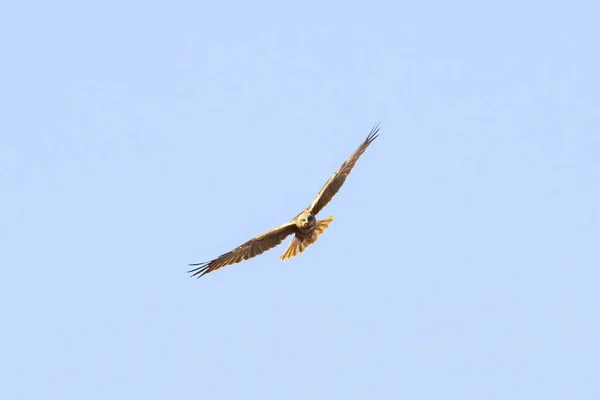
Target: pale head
(306, 220)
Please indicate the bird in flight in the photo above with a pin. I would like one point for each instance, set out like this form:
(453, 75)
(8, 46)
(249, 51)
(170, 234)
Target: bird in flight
(305, 227)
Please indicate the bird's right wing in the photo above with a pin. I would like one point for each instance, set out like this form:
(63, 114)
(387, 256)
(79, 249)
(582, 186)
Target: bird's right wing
(251, 248)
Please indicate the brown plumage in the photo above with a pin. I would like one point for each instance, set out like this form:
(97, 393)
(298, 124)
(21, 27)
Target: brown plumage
(305, 226)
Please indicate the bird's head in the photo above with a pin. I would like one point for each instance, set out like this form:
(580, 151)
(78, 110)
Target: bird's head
(307, 220)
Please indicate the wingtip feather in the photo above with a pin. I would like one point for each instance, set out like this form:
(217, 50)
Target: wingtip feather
(203, 269)
(374, 132)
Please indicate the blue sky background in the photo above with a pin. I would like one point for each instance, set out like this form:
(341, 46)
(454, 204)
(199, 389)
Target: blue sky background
(140, 136)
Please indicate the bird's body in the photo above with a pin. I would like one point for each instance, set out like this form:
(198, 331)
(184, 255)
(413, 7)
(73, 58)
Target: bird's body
(308, 230)
(305, 227)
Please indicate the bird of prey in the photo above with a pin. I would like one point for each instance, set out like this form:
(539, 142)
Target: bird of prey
(305, 227)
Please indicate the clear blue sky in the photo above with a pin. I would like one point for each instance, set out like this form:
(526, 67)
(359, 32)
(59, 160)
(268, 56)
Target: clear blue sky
(137, 137)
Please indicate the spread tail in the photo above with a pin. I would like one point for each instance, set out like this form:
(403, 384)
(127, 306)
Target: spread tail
(299, 245)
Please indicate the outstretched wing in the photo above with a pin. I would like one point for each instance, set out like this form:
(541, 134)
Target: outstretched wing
(251, 248)
(336, 181)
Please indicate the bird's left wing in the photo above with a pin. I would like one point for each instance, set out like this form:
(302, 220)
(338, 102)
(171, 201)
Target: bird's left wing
(333, 185)
(251, 248)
